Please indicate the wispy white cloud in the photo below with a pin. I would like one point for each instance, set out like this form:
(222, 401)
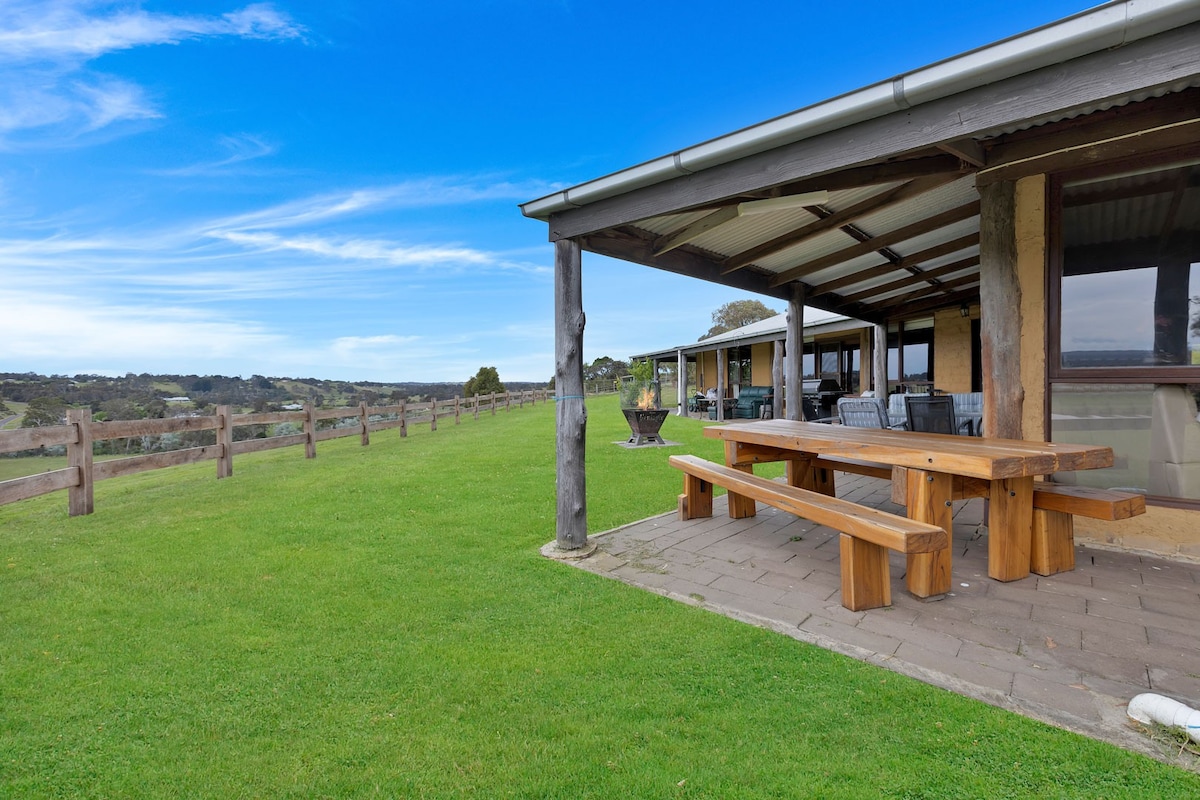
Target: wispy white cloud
(45, 45)
(239, 149)
(46, 30)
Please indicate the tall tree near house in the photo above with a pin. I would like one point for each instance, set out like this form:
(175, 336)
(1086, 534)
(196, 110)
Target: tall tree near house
(736, 314)
(486, 381)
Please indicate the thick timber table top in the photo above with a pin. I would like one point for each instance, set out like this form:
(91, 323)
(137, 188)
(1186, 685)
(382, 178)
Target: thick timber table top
(970, 456)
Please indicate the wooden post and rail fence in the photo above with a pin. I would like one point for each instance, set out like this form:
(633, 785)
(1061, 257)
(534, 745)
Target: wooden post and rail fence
(80, 433)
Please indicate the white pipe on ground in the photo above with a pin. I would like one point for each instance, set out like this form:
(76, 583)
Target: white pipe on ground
(1147, 708)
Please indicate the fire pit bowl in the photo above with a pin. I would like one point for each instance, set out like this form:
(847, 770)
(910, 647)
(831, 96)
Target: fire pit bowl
(644, 424)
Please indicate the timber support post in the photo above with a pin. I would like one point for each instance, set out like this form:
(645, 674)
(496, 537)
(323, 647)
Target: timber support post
(364, 424)
(80, 497)
(225, 441)
(571, 412)
(879, 361)
(1000, 311)
(310, 431)
(793, 364)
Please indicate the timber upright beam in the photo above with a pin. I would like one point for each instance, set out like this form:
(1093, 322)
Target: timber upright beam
(80, 498)
(793, 364)
(571, 413)
(1000, 312)
(225, 441)
(310, 431)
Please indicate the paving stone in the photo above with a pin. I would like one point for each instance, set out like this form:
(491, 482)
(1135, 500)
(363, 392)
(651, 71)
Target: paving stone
(1032, 632)
(1107, 628)
(849, 634)
(921, 637)
(1184, 687)
(697, 575)
(1076, 701)
(1090, 593)
(1183, 606)
(978, 674)
(1010, 661)
(1126, 670)
(969, 632)
(1024, 591)
(1171, 637)
(1140, 616)
(746, 588)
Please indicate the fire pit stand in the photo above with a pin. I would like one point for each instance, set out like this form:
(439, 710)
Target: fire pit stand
(644, 425)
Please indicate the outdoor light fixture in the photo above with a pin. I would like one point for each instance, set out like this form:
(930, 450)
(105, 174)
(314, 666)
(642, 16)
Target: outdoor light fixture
(964, 310)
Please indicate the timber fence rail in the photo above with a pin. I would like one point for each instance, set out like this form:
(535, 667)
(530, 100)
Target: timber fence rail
(80, 433)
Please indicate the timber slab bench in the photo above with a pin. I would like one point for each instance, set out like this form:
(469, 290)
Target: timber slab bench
(866, 533)
(1054, 509)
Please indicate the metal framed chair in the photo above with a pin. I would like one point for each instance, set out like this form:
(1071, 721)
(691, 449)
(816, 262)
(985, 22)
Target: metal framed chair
(933, 414)
(863, 412)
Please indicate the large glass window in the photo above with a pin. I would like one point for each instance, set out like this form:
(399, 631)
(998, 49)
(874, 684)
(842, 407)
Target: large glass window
(1125, 368)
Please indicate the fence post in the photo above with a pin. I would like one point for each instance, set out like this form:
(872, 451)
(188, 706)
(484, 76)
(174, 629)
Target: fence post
(225, 442)
(80, 498)
(476, 401)
(403, 420)
(457, 410)
(433, 413)
(364, 420)
(493, 401)
(507, 402)
(310, 431)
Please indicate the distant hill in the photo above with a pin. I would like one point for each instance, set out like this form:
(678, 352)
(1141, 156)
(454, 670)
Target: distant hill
(136, 396)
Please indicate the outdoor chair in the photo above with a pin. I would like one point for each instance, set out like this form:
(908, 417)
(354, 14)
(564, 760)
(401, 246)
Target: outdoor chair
(864, 412)
(933, 414)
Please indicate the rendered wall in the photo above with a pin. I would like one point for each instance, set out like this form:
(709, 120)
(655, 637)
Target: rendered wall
(952, 350)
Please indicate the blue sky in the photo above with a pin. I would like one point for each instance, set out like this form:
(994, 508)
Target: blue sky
(330, 189)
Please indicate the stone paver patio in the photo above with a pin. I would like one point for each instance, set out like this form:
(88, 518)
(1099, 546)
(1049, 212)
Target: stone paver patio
(1071, 649)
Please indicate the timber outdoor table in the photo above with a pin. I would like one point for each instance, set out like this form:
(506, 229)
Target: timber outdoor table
(928, 470)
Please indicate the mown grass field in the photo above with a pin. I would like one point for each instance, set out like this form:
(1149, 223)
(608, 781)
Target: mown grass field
(377, 622)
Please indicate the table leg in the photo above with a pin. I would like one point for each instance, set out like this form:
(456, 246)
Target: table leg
(928, 495)
(740, 506)
(1010, 528)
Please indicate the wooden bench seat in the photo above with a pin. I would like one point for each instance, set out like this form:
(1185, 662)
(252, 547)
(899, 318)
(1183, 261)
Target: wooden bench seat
(866, 533)
(1054, 509)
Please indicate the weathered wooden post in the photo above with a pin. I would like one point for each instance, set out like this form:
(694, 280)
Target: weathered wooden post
(681, 385)
(403, 419)
(310, 431)
(225, 442)
(492, 401)
(457, 410)
(777, 350)
(80, 497)
(475, 401)
(793, 362)
(571, 413)
(364, 423)
(722, 373)
(433, 414)
(879, 362)
(1000, 311)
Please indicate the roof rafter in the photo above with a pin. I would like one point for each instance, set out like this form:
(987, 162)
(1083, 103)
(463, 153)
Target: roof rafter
(883, 240)
(908, 262)
(909, 280)
(838, 219)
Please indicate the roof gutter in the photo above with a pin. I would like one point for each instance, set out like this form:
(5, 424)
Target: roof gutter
(1101, 28)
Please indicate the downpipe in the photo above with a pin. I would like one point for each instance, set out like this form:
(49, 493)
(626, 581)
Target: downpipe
(1148, 708)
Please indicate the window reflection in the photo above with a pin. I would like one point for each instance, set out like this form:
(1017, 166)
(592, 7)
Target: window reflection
(1131, 271)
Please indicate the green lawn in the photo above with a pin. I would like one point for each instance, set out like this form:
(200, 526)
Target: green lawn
(377, 622)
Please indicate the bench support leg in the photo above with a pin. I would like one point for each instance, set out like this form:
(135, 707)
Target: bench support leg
(740, 507)
(865, 582)
(696, 500)
(803, 474)
(928, 500)
(1052, 549)
(1010, 528)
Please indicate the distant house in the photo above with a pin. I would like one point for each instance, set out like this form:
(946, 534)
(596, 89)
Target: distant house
(1029, 210)
(177, 399)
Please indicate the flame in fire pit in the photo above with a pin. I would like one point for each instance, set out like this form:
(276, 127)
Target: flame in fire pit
(645, 399)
